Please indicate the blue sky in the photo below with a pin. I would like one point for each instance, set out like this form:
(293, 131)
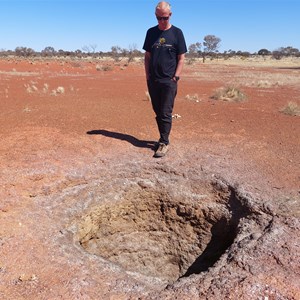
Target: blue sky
(246, 25)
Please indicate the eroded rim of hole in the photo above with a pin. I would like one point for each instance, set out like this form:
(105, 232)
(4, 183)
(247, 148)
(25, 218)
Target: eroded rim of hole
(156, 235)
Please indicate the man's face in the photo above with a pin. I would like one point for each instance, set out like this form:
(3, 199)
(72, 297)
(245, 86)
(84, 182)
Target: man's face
(163, 18)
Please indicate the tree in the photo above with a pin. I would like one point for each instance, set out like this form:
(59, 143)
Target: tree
(91, 49)
(116, 52)
(211, 43)
(277, 54)
(132, 52)
(48, 51)
(78, 53)
(289, 51)
(285, 51)
(231, 53)
(61, 52)
(263, 52)
(24, 51)
(194, 49)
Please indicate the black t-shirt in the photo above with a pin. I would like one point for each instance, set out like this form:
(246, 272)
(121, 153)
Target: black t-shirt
(164, 46)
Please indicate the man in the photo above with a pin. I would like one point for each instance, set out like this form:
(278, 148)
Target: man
(164, 58)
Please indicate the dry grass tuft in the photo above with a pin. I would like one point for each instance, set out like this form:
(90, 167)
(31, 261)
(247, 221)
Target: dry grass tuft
(26, 109)
(291, 109)
(231, 94)
(176, 116)
(46, 88)
(59, 90)
(266, 84)
(31, 88)
(103, 67)
(194, 97)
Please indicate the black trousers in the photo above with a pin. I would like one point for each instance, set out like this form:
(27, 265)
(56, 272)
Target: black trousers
(162, 98)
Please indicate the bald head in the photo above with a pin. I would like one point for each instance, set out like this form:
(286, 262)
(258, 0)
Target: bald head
(163, 7)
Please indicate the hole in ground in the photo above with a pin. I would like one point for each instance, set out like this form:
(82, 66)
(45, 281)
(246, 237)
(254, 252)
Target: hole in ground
(158, 236)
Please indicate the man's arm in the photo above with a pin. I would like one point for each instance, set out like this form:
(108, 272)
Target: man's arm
(147, 64)
(179, 65)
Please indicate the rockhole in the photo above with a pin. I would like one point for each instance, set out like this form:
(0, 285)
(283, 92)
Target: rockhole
(166, 237)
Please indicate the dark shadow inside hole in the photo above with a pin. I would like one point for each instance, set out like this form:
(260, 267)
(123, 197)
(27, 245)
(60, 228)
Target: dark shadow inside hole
(223, 235)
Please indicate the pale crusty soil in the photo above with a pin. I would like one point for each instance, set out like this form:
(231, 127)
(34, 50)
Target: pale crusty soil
(75, 134)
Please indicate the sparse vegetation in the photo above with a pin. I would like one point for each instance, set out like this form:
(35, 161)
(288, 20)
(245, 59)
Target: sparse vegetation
(46, 88)
(193, 97)
(291, 109)
(206, 49)
(24, 51)
(231, 94)
(103, 68)
(32, 88)
(48, 52)
(26, 109)
(265, 84)
(176, 116)
(59, 90)
(77, 149)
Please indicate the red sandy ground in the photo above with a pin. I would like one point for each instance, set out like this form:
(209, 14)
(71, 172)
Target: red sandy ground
(115, 101)
(45, 145)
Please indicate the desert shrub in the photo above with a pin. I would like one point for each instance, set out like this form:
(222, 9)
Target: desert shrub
(230, 93)
(291, 109)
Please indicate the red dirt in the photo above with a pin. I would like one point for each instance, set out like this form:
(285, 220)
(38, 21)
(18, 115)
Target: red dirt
(98, 128)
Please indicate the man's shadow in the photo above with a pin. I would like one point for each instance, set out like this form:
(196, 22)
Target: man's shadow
(125, 137)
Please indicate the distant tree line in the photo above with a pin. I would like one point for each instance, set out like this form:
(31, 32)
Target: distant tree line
(87, 51)
(209, 48)
(211, 43)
